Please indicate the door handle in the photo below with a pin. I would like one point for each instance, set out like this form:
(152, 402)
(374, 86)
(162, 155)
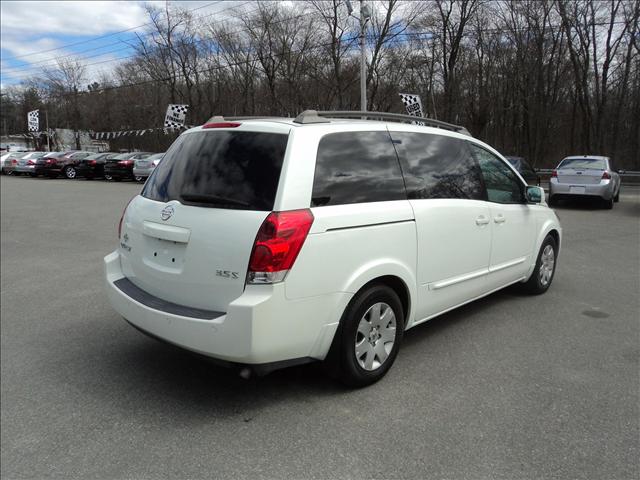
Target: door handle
(500, 219)
(482, 220)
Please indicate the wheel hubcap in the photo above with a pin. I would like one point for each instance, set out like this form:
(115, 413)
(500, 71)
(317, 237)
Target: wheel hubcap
(71, 173)
(547, 263)
(376, 336)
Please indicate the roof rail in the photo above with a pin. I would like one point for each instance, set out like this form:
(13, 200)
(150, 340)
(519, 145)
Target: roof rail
(392, 117)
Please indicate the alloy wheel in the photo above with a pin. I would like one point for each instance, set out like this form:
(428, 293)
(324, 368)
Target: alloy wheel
(548, 260)
(375, 336)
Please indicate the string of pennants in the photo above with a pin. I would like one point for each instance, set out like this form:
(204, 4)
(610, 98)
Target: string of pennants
(135, 133)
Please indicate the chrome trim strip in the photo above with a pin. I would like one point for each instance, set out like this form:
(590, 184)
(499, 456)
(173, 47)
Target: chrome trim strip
(510, 263)
(459, 279)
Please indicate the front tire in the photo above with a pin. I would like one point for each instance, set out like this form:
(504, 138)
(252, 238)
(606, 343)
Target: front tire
(70, 173)
(369, 336)
(545, 268)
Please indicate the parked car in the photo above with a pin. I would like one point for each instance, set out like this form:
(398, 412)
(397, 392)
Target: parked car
(92, 166)
(120, 166)
(10, 161)
(27, 163)
(3, 158)
(585, 176)
(525, 170)
(143, 167)
(266, 243)
(47, 165)
(62, 163)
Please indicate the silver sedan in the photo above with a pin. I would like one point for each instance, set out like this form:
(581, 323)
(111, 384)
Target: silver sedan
(143, 167)
(585, 176)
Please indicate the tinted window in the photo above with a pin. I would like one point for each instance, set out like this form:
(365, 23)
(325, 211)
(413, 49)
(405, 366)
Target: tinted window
(222, 169)
(356, 167)
(503, 186)
(437, 166)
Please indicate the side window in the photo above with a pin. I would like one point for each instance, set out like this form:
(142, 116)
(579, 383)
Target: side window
(503, 186)
(438, 166)
(356, 167)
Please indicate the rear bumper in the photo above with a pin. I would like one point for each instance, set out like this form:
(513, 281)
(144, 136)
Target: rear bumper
(142, 172)
(25, 169)
(604, 189)
(260, 327)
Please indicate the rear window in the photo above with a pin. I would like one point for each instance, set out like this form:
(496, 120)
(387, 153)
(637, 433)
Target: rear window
(583, 163)
(222, 169)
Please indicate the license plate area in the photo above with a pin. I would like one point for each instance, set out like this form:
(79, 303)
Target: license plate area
(164, 255)
(577, 190)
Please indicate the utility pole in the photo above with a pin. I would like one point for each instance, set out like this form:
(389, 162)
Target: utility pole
(365, 16)
(363, 61)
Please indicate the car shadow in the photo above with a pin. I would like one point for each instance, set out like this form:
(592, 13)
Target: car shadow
(579, 204)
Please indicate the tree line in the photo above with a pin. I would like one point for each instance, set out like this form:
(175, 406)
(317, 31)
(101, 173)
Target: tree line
(536, 78)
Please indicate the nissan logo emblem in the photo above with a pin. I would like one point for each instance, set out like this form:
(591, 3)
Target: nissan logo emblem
(166, 213)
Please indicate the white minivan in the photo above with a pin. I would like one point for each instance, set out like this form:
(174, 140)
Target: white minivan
(271, 242)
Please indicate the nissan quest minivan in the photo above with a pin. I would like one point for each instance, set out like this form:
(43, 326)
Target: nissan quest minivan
(271, 242)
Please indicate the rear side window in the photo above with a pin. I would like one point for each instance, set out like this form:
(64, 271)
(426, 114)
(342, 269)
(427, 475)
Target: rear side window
(437, 166)
(222, 169)
(356, 167)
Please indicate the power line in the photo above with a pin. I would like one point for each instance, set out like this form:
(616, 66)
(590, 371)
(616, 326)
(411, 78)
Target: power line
(100, 37)
(33, 65)
(24, 74)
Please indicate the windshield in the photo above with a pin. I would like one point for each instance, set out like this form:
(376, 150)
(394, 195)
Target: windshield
(223, 169)
(583, 163)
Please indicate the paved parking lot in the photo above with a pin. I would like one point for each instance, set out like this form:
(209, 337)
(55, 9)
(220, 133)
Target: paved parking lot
(508, 387)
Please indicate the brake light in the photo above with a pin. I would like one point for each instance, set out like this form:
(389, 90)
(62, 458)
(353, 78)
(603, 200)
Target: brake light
(277, 245)
(31, 162)
(125, 163)
(122, 216)
(50, 161)
(606, 176)
(554, 173)
(93, 163)
(221, 125)
(14, 161)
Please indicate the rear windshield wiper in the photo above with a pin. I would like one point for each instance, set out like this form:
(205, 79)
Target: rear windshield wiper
(212, 199)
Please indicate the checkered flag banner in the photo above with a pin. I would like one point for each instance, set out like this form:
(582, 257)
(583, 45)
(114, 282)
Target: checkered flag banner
(175, 116)
(33, 121)
(413, 104)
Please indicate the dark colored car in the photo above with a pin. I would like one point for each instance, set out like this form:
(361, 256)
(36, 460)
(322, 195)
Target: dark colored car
(47, 165)
(92, 166)
(120, 166)
(527, 172)
(60, 164)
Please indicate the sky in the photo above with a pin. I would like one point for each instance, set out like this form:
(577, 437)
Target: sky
(33, 34)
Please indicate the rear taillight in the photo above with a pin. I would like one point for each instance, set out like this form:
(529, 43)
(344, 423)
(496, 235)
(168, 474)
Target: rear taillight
(92, 163)
(14, 161)
(31, 162)
(125, 163)
(50, 161)
(277, 245)
(221, 125)
(606, 176)
(122, 216)
(554, 173)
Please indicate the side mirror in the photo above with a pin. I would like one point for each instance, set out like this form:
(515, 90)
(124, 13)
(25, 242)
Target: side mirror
(534, 194)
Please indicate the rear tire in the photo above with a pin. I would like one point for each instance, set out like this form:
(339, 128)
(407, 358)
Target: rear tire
(545, 268)
(608, 204)
(368, 338)
(552, 201)
(138, 179)
(617, 197)
(108, 178)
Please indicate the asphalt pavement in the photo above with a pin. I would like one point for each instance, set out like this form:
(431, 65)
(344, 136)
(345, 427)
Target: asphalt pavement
(508, 387)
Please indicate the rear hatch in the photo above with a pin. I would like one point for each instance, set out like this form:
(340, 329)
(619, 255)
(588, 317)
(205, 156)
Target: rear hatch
(188, 237)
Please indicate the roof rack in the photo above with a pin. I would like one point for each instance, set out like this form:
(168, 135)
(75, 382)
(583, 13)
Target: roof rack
(383, 116)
